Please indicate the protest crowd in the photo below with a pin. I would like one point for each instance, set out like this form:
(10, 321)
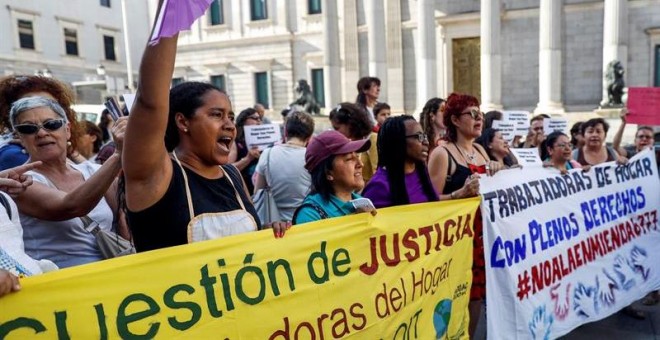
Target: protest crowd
(178, 169)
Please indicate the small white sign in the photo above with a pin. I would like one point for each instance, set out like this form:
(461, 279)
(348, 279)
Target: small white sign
(129, 99)
(527, 157)
(507, 129)
(262, 136)
(551, 125)
(520, 119)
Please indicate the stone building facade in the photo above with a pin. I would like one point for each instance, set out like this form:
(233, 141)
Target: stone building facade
(80, 42)
(536, 55)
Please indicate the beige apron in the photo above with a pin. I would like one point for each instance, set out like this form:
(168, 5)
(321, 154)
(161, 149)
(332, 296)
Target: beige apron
(208, 226)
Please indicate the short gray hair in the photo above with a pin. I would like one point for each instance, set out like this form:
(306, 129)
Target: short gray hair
(29, 103)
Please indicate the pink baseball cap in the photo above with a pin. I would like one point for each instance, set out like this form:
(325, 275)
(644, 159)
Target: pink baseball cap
(330, 143)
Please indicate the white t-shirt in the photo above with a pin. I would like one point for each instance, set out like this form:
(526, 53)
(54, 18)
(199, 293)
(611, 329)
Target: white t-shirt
(289, 180)
(66, 243)
(12, 250)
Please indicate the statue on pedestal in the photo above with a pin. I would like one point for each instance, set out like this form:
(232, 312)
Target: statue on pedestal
(305, 101)
(615, 84)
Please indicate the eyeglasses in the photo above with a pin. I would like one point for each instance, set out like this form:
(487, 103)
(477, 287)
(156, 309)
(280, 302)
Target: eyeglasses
(30, 129)
(474, 113)
(255, 117)
(421, 137)
(645, 137)
(564, 145)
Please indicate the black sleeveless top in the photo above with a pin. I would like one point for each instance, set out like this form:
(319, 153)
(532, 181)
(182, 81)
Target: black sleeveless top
(165, 224)
(456, 180)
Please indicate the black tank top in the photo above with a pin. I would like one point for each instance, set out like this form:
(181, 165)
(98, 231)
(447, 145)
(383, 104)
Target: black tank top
(165, 224)
(456, 180)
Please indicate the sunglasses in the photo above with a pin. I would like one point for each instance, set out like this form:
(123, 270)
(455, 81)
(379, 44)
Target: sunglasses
(421, 137)
(645, 137)
(474, 113)
(30, 129)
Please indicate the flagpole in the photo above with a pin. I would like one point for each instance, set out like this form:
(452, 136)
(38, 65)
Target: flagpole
(129, 62)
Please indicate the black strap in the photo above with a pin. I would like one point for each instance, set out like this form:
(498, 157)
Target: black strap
(5, 203)
(312, 205)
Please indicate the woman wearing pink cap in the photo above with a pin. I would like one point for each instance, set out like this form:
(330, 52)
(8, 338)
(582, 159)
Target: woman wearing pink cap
(336, 171)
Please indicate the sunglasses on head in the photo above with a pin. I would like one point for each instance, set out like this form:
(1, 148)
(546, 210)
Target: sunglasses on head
(30, 129)
(474, 113)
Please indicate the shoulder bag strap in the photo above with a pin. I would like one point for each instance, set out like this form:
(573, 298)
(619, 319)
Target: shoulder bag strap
(5, 203)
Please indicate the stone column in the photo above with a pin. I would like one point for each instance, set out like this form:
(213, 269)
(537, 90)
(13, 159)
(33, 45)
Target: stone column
(351, 51)
(550, 79)
(331, 57)
(615, 37)
(375, 15)
(426, 56)
(491, 58)
(394, 88)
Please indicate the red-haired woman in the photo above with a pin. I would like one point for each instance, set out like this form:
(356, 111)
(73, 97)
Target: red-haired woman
(455, 168)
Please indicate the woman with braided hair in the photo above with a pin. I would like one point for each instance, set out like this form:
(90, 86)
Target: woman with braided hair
(402, 177)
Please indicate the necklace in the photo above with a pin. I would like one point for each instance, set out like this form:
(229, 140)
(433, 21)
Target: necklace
(295, 143)
(468, 157)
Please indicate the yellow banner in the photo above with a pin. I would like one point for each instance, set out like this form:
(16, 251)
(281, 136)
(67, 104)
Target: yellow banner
(403, 274)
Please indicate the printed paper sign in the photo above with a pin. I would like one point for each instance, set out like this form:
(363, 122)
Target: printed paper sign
(262, 136)
(565, 250)
(507, 129)
(527, 156)
(555, 124)
(402, 274)
(520, 119)
(644, 105)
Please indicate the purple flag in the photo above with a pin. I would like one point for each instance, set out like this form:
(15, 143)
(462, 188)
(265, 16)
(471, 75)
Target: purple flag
(177, 15)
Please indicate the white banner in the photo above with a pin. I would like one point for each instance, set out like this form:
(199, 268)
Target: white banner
(564, 250)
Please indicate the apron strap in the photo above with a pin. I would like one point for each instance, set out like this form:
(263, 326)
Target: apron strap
(189, 196)
(185, 180)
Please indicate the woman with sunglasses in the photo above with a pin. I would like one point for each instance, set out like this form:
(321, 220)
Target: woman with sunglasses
(62, 191)
(180, 187)
(13, 88)
(455, 169)
(402, 177)
(555, 151)
(247, 157)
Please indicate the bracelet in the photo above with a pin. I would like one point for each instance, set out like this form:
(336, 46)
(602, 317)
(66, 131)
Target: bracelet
(452, 195)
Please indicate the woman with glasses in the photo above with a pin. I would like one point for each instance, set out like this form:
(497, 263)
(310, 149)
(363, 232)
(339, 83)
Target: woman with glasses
(555, 151)
(455, 169)
(62, 191)
(247, 156)
(402, 177)
(643, 138)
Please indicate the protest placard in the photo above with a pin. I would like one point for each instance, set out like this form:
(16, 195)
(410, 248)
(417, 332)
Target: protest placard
(555, 124)
(404, 273)
(643, 105)
(564, 250)
(520, 119)
(527, 156)
(262, 136)
(507, 129)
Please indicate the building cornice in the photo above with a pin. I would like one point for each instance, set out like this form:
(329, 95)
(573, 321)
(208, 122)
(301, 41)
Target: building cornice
(235, 42)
